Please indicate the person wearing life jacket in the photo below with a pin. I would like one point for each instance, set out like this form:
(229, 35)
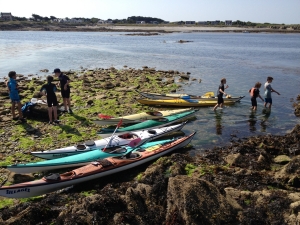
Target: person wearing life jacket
(254, 93)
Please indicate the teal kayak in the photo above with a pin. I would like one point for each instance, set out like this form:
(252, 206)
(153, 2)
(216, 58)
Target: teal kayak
(151, 123)
(77, 160)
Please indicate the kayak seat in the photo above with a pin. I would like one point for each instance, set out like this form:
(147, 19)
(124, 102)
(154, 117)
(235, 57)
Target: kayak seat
(133, 156)
(89, 143)
(151, 131)
(52, 177)
(104, 163)
(81, 147)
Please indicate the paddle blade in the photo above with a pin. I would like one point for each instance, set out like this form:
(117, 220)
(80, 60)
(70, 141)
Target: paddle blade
(120, 123)
(209, 94)
(105, 117)
(134, 142)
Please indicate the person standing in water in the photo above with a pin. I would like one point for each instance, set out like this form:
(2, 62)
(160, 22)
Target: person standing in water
(220, 92)
(254, 93)
(268, 91)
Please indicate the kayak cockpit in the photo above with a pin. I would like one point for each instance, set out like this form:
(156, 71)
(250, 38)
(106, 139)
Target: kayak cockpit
(84, 146)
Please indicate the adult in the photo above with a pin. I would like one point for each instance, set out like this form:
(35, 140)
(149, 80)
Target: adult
(64, 82)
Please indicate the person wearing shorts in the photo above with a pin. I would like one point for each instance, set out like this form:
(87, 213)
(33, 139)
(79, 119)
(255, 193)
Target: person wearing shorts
(254, 93)
(14, 95)
(49, 90)
(64, 82)
(220, 92)
(268, 91)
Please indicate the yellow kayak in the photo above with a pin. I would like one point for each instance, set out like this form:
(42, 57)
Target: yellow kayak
(139, 117)
(187, 102)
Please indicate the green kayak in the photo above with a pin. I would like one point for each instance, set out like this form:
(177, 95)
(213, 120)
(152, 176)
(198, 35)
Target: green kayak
(151, 123)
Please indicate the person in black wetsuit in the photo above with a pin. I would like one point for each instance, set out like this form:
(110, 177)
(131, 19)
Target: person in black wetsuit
(220, 93)
(254, 93)
(64, 81)
(49, 90)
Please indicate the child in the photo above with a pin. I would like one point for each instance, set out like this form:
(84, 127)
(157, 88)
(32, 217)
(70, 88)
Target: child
(254, 93)
(65, 89)
(268, 90)
(14, 95)
(49, 90)
(220, 93)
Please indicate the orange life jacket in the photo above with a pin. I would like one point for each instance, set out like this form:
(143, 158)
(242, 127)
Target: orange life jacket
(252, 91)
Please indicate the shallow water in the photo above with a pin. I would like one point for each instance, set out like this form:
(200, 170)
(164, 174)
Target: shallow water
(242, 58)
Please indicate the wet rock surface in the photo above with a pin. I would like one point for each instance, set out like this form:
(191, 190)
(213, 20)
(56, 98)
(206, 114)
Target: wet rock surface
(243, 183)
(250, 181)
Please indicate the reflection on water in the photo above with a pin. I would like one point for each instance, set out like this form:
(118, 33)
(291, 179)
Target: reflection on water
(219, 126)
(243, 60)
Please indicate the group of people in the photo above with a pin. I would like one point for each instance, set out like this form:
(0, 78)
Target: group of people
(254, 93)
(47, 89)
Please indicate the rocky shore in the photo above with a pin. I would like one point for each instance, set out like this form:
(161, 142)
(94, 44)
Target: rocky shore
(166, 28)
(250, 181)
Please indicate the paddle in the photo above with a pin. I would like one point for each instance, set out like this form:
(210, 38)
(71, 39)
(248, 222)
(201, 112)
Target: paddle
(112, 136)
(208, 94)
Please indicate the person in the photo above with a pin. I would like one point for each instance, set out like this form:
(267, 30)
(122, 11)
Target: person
(220, 93)
(64, 82)
(268, 91)
(49, 90)
(14, 95)
(254, 93)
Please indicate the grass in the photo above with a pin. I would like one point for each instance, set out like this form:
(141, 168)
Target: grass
(189, 169)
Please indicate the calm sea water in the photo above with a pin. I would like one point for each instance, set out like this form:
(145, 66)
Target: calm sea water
(242, 58)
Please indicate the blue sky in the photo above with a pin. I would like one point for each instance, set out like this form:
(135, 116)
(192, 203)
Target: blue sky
(271, 11)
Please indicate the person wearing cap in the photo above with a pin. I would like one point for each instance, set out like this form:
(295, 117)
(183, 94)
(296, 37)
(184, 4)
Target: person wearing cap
(268, 91)
(65, 89)
(14, 95)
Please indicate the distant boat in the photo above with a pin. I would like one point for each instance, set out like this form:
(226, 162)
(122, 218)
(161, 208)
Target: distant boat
(245, 31)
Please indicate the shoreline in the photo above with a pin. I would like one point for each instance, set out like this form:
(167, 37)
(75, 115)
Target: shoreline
(249, 181)
(144, 28)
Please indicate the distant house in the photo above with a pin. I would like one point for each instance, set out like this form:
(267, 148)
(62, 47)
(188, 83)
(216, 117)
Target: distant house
(228, 22)
(190, 22)
(6, 16)
(202, 22)
(140, 22)
(216, 22)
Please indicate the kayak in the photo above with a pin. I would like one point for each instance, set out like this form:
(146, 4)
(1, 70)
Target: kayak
(151, 123)
(93, 170)
(208, 96)
(137, 118)
(188, 102)
(76, 160)
(109, 142)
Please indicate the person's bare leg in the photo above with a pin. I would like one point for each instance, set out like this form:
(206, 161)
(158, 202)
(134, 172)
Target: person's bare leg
(55, 112)
(65, 104)
(20, 110)
(216, 106)
(69, 103)
(13, 109)
(50, 114)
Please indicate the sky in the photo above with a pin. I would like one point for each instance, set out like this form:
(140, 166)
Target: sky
(259, 11)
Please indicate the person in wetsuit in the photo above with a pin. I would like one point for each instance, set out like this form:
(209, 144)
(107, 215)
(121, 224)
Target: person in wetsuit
(220, 93)
(49, 90)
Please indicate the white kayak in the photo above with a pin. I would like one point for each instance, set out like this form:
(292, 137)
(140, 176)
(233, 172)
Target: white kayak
(109, 142)
(94, 170)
